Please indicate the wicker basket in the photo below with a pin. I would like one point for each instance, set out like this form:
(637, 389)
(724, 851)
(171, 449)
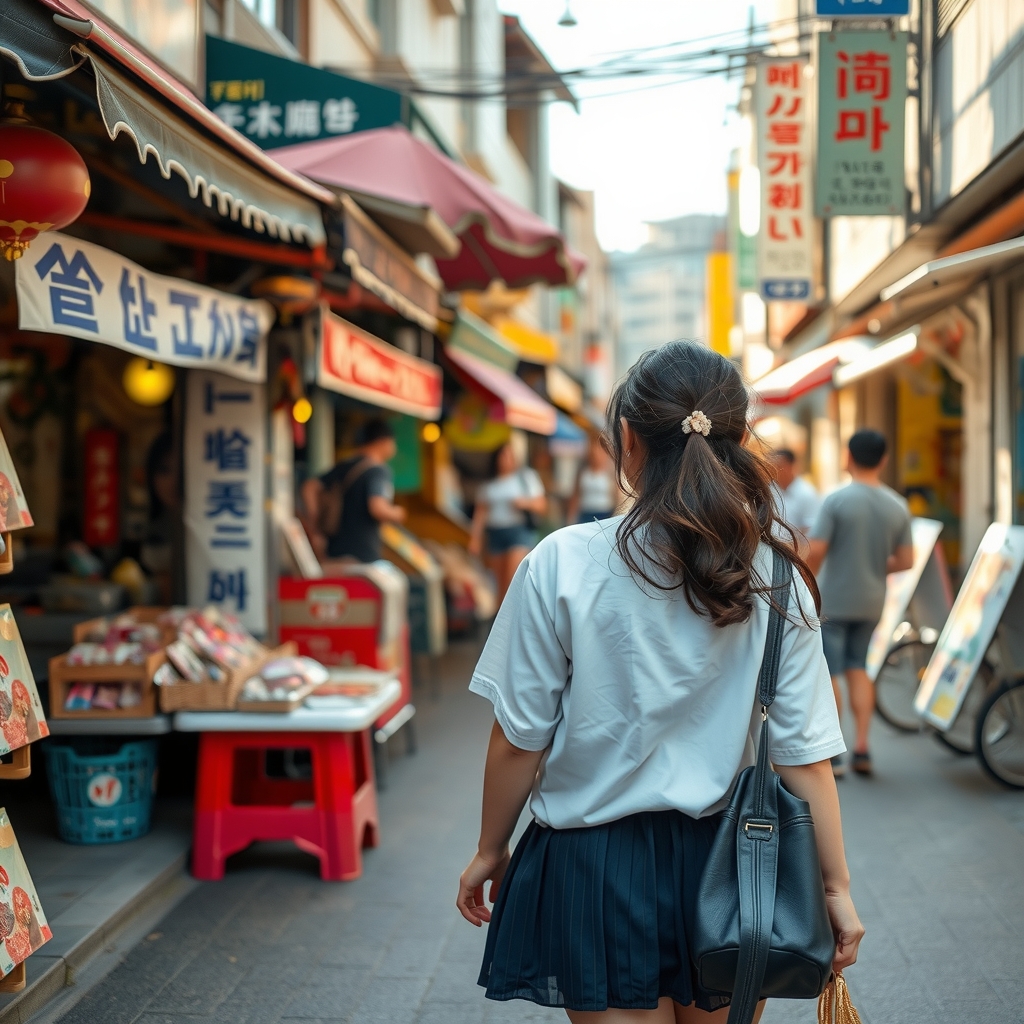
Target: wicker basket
(211, 696)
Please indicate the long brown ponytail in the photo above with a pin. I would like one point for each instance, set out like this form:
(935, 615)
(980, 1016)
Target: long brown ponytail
(704, 503)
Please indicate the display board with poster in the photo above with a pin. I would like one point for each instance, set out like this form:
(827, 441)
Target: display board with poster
(971, 624)
(23, 927)
(900, 588)
(14, 513)
(21, 713)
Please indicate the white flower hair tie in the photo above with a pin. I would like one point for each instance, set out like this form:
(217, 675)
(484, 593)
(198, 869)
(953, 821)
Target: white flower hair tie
(697, 423)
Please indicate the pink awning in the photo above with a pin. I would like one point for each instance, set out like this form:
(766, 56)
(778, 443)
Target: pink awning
(511, 399)
(500, 239)
(789, 381)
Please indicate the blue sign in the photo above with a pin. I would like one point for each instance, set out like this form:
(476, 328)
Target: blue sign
(862, 8)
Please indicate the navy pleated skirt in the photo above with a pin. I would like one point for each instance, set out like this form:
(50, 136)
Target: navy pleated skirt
(593, 918)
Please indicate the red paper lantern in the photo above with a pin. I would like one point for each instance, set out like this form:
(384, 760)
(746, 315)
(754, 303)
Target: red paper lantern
(44, 185)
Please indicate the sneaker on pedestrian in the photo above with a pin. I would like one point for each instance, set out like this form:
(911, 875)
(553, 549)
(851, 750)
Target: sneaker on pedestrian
(838, 766)
(862, 763)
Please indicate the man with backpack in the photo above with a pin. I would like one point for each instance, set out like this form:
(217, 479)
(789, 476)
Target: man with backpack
(345, 506)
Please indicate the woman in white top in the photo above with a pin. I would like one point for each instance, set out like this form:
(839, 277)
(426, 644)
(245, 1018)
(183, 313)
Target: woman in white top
(505, 513)
(597, 495)
(623, 673)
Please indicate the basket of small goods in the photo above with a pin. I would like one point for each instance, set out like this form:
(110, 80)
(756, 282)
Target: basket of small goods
(281, 685)
(109, 671)
(209, 661)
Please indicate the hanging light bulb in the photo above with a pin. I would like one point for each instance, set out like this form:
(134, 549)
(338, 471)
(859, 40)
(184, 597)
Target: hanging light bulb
(148, 383)
(567, 20)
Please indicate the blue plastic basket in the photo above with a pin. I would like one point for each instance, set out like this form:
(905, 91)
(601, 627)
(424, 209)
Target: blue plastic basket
(102, 789)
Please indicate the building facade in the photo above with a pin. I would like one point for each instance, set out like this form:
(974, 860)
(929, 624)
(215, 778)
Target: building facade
(659, 290)
(936, 295)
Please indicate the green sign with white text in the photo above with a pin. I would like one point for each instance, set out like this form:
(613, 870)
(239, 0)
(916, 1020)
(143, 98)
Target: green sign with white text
(862, 97)
(276, 102)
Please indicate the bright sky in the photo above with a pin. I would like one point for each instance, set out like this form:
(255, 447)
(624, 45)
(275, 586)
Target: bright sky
(648, 154)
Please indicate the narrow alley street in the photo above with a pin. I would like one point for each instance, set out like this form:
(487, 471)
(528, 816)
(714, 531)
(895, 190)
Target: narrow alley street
(935, 849)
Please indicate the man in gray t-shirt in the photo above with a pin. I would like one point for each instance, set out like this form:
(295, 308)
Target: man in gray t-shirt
(861, 534)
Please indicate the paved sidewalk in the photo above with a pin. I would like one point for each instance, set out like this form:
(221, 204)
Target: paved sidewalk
(937, 854)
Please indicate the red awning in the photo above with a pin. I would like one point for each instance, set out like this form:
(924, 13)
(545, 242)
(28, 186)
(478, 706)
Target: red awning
(513, 401)
(789, 381)
(500, 239)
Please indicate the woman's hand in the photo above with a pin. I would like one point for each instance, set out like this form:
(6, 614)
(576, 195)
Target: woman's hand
(846, 927)
(481, 869)
(475, 546)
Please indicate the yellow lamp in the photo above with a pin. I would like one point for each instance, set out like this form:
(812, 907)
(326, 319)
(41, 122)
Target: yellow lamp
(431, 432)
(302, 410)
(148, 383)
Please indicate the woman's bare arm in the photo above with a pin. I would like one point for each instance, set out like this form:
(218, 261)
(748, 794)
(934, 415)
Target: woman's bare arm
(476, 530)
(816, 784)
(508, 779)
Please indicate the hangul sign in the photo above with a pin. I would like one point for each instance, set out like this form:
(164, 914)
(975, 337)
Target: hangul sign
(353, 362)
(275, 101)
(225, 558)
(102, 503)
(862, 96)
(786, 239)
(70, 287)
(862, 8)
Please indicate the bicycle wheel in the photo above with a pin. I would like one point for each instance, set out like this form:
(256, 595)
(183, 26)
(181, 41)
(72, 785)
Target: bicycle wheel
(960, 736)
(897, 683)
(1000, 734)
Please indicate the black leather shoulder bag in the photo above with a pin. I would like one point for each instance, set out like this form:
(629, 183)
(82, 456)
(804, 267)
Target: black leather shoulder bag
(762, 926)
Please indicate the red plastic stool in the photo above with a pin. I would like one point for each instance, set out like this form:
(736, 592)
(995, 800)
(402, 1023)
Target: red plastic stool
(332, 815)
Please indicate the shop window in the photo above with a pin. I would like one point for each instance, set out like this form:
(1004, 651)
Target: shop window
(929, 443)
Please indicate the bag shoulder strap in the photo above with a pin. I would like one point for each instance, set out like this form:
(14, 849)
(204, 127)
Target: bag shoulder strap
(354, 474)
(757, 827)
(778, 600)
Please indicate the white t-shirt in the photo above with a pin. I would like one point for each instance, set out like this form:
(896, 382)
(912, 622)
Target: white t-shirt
(798, 504)
(596, 491)
(645, 705)
(499, 493)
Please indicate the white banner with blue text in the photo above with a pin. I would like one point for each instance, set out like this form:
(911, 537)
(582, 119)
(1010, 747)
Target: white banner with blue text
(225, 517)
(67, 286)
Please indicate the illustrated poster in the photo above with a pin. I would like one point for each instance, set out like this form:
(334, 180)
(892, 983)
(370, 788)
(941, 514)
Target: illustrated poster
(899, 591)
(23, 926)
(14, 513)
(971, 624)
(21, 713)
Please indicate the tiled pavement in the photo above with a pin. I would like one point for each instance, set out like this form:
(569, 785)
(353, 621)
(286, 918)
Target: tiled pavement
(937, 855)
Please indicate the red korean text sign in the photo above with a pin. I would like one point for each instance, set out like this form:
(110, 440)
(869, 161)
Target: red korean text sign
(785, 256)
(355, 363)
(862, 97)
(102, 488)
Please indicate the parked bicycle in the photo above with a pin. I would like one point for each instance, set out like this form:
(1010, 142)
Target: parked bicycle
(900, 677)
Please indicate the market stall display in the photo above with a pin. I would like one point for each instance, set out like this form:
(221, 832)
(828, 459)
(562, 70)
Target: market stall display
(210, 660)
(23, 927)
(22, 721)
(281, 685)
(109, 671)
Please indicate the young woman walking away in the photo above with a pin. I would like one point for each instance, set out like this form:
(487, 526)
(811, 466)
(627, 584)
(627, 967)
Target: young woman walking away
(623, 672)
(506, 507)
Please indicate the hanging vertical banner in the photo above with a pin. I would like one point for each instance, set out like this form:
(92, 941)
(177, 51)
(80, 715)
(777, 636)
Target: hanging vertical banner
(225, 554)
(862, 98)
(785, 251)
(102, 502)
